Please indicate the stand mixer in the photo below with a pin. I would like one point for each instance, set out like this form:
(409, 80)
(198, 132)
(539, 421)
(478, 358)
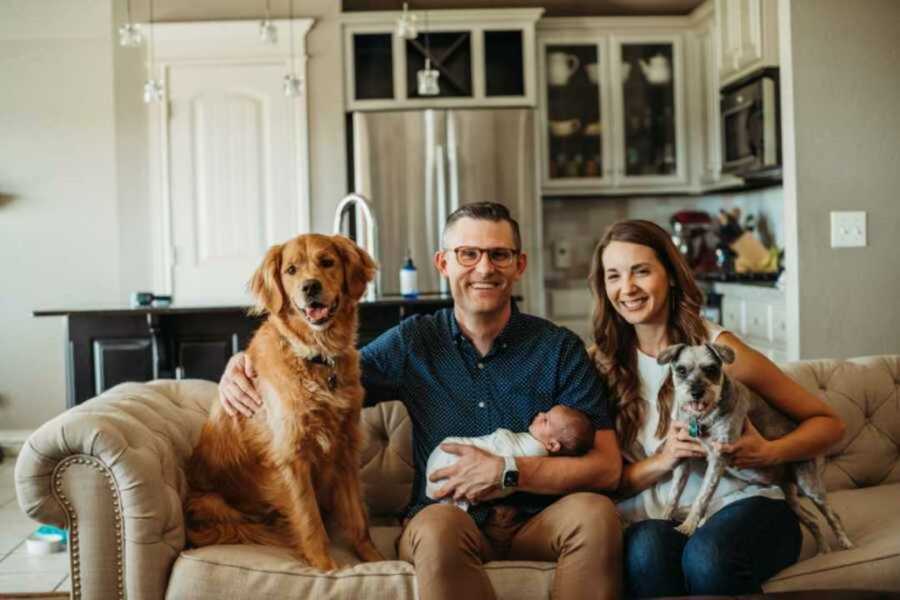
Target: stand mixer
(690, 230)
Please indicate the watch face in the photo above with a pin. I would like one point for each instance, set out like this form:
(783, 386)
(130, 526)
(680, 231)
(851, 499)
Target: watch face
(510, 479)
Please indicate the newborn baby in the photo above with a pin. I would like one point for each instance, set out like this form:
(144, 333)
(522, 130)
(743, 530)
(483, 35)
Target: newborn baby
(561, 431)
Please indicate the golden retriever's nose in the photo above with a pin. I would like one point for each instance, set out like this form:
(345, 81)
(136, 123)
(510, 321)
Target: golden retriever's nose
(311, 287)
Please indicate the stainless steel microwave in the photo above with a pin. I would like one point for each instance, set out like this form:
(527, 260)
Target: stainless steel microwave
(751, 127)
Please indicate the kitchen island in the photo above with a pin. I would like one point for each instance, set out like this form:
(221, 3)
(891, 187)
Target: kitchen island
(109, 345)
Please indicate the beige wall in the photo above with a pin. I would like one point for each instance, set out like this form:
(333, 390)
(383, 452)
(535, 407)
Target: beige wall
(844, 70)
(59, 235)
(74, 206)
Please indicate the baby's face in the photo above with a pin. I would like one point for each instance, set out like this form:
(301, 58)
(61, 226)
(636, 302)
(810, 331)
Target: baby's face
(547, 427)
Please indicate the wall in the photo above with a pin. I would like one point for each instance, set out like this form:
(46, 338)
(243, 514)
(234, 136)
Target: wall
(842, 89)
(74, 206)
(59, 235)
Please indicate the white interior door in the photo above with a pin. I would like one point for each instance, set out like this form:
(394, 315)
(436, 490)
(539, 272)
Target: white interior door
(233, 184)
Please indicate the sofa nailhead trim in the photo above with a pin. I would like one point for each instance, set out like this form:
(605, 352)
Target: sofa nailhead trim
(72, 521)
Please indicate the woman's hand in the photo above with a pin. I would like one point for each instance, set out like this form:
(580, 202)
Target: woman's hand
(237, 388)
(751, 450)
(679, 444)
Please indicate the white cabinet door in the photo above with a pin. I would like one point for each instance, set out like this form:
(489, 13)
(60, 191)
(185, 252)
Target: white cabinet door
(647, 74)
(233, 188)
(748, 36)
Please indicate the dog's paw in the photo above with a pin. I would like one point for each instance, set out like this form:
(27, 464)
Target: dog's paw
(687, 528)
(368, 552)
(323, 563)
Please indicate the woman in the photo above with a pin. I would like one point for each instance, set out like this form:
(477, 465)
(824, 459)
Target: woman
(646, 301)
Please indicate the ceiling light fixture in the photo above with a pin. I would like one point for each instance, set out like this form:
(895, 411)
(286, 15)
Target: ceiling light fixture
(406, 24)
(292, 85)
(130, 34)
(153, 88)
(428, 77)
(268, 33)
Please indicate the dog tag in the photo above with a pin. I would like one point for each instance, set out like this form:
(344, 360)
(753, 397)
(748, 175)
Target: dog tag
(694, 427)
(332, 382)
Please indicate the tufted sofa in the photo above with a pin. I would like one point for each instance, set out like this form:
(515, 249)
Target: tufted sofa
(112, 470)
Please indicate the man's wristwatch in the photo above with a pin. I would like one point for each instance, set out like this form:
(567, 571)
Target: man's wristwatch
(510, 477)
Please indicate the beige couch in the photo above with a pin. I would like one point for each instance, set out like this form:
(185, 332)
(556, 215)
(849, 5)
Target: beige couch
(112, 470)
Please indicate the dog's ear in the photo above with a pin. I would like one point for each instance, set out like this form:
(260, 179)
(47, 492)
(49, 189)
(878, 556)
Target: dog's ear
(722, 352)
(669, 354)
(265, 285)
(359, 268)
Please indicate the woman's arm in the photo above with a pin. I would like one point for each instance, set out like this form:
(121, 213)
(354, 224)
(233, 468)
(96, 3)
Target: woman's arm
(818, 425)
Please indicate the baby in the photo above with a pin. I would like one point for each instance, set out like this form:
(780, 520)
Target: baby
(561, 431)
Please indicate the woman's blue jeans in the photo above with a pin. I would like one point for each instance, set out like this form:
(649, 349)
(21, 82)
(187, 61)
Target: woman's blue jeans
(734, 552)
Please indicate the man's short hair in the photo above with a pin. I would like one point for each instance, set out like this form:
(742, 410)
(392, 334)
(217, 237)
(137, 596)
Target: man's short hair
(484, 211)
(577, 436)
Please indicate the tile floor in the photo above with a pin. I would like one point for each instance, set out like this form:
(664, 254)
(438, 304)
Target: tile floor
(20, 571)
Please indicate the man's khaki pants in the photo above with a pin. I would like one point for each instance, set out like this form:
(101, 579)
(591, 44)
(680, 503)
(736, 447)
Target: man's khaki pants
(581, 532)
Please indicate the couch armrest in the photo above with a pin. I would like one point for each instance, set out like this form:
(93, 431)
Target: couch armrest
(111, 470)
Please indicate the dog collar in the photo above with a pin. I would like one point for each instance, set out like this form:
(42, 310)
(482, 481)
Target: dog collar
(321, 359)
(695, 428)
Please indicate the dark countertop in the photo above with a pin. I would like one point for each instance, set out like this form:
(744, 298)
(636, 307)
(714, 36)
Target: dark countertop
(425, 298)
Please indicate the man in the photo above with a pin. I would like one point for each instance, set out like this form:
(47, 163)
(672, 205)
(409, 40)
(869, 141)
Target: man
(467, 371)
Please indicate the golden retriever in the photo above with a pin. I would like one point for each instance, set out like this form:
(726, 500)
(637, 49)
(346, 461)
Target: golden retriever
(270, 478)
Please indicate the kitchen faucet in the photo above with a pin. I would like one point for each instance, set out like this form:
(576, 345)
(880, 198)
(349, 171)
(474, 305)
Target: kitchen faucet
(358, 201)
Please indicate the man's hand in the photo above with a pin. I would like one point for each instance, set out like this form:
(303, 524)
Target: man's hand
(475, 477)
(751, 450)
(237, 388)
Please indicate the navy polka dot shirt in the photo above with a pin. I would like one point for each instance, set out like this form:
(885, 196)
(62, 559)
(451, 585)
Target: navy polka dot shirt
(449, 389)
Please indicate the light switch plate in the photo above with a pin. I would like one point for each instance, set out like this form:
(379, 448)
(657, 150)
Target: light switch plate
(848, 229)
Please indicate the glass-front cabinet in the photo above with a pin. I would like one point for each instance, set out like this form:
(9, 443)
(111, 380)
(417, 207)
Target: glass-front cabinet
(575, 112)
(613, 113)
(457, 58)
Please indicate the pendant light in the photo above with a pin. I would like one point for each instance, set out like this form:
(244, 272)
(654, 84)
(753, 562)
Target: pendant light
(130, 34)
(153, 88)
(268, 33)
(292, 85)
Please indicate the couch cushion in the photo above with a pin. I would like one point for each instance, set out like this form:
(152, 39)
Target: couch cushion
(865, 392)
(386, 464)
(265, 572)
(872, 520)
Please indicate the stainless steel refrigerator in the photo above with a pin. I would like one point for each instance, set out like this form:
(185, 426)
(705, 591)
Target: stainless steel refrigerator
(416, 167)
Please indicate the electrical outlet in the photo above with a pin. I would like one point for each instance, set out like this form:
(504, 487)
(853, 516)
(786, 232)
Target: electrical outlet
(848, 229)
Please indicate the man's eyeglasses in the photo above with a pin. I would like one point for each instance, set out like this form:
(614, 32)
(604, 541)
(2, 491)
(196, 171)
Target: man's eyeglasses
(469, 256)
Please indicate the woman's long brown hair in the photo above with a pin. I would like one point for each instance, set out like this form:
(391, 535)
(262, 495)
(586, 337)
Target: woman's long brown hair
(615, 343)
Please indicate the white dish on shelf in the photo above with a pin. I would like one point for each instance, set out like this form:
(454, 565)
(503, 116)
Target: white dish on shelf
(564, 128)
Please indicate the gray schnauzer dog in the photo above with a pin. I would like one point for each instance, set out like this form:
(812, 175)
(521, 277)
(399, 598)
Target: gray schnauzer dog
(715, 407)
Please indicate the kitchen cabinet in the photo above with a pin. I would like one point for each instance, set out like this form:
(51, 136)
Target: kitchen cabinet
(107, 347)
(748, 37)
(757, 314)
(485, 58)
(613, 107)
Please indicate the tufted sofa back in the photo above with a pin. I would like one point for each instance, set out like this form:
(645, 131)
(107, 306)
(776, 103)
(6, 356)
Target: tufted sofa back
(865, 392)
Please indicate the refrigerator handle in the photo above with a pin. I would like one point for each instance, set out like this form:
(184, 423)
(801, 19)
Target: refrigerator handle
(452, 162)
(441, 199)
